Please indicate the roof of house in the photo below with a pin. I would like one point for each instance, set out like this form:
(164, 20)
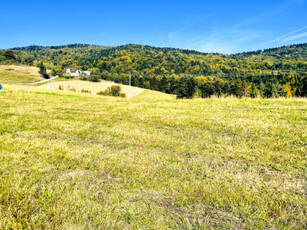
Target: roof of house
(72, 69)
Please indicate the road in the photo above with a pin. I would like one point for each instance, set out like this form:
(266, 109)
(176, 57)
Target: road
(42, 81)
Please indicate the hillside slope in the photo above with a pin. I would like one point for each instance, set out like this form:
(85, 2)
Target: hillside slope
(12, 74)
(152, 60)
(79, 161)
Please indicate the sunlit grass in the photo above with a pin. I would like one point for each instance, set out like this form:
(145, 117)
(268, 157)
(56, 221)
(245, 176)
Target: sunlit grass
(11, 74)
(77, 161)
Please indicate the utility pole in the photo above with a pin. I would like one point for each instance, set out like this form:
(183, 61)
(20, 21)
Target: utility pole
(129, 78)
(130, 83)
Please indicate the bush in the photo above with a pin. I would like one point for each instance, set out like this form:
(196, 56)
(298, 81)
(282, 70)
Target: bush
(72, 89)
(94, 78)
(46, 76)
(85, 91)
(68, 76)
(114, 91)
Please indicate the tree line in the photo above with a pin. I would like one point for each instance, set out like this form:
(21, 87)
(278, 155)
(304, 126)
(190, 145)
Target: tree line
(186, 73)
(189, 86)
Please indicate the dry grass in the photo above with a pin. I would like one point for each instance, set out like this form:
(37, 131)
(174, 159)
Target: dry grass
(12, 74)
(20, 69)
(93, 87)
(77, 161)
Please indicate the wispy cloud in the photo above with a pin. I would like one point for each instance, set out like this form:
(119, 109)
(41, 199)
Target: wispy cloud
(283, 38)
(240, 36)
(172, 36)
(193, 23)
(160, 36)
(295, 37)
(224, 41)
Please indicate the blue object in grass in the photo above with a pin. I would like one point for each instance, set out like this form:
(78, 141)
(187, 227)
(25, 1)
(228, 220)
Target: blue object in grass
(1, 88)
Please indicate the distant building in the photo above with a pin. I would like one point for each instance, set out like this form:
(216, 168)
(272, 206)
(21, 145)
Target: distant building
(85, 73)
(74, 72)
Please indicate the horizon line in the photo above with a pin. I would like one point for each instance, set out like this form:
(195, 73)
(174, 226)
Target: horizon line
(158, 47)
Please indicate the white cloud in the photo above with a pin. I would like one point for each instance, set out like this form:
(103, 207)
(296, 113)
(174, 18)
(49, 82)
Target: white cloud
(225, 41)
(236, 38)
(295, 37)
(281, 38)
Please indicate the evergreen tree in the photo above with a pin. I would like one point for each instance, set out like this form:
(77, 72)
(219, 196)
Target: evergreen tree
(253, 91)
(42, 70)
(237, 88)
(207, 89)
(186, 87)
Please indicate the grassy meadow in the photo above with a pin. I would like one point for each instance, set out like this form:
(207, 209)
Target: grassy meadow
(12, 74)
(78, 161)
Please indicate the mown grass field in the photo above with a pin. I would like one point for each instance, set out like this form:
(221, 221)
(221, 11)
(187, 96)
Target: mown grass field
(79, 161)
(12, 74)
(92, 87)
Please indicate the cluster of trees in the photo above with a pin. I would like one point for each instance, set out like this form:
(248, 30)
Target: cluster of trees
(267, 73)
(7, 57)
(189, 86)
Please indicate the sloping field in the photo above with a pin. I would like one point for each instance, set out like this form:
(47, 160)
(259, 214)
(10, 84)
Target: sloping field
(93, 87)
(78, 161)
(12, 74)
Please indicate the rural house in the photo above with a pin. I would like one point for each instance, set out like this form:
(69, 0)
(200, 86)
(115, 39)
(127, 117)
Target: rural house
(74, 72)
(85, 73)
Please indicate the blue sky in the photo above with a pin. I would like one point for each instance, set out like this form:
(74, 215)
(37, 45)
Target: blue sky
(208, 26)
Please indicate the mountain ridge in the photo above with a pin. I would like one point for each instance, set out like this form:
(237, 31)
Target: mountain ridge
(81, 45)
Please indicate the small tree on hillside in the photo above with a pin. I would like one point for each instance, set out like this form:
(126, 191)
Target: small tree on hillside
(245, 89)
(289, 90)
(237, 88)
(186, 87)
(42, 70)
(252, 90)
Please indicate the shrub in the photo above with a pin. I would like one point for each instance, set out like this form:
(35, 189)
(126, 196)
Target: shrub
(72, 89)
(94, 78)
(114, 91)
(68, 76)
(85, 91)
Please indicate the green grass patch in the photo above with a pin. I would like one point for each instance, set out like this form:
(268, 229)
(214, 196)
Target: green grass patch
(55, 94)
(151, 162)
(13, 77)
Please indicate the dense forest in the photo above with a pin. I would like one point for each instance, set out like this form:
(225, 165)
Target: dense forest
(265, 73)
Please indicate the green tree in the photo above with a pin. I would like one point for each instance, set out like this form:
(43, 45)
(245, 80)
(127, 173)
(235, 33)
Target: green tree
(42, 70)
(252, 90)
(9, 54)
(262, 89)
(237, 88)
(186, 87)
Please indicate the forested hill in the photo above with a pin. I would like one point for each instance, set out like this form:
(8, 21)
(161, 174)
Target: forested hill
(152, 60)
(294, 52)
(270, 72)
